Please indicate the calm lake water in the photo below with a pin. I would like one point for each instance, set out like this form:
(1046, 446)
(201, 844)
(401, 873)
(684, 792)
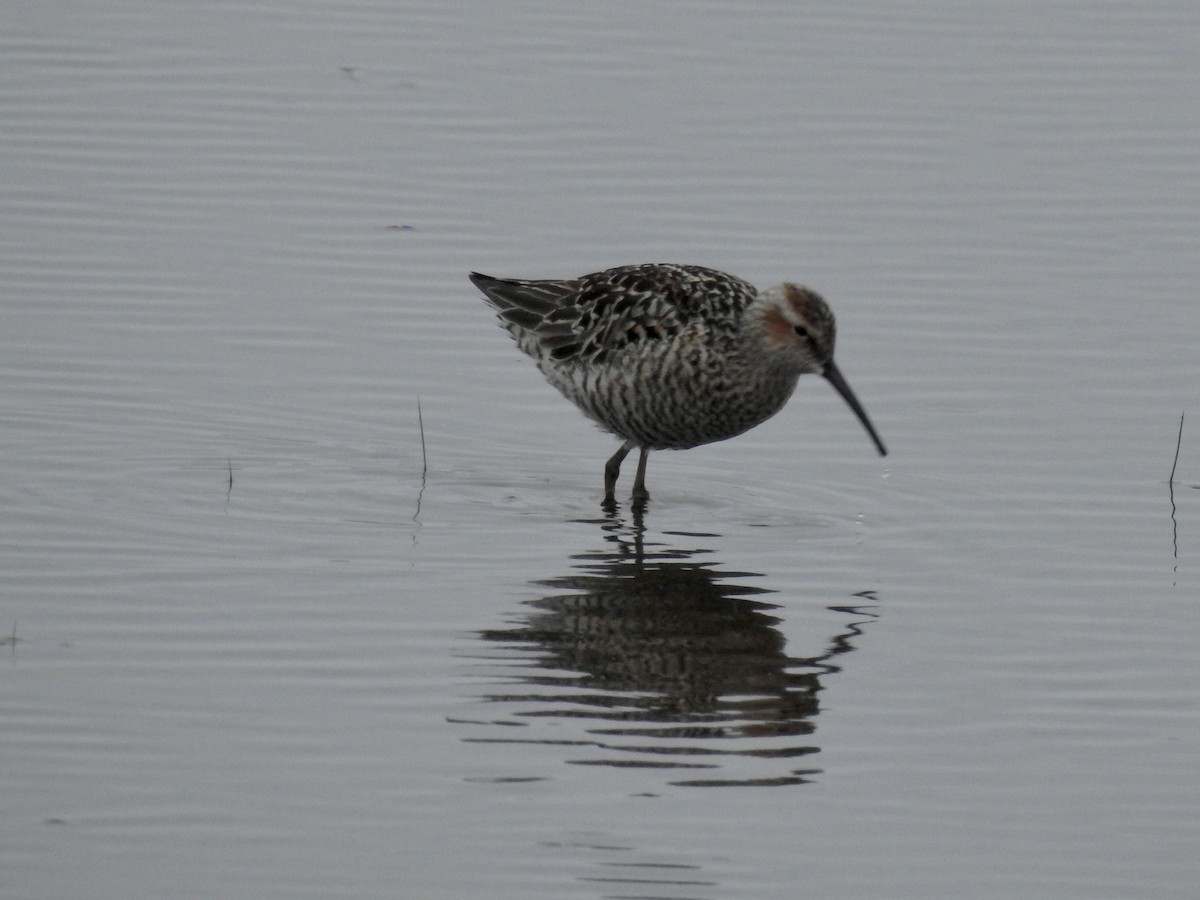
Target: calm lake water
(260, 637)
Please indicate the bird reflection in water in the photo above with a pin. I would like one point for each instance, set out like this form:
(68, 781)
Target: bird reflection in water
(666, 661)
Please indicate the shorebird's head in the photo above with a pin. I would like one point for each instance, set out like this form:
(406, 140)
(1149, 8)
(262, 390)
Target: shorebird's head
(800, 329)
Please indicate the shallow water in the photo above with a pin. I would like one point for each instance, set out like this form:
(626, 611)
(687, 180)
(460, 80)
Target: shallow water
(255, 643)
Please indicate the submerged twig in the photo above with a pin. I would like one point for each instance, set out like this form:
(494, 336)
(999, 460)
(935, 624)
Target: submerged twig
(1178, 444)
(424, 466)
(1171, 490)
(424, 458)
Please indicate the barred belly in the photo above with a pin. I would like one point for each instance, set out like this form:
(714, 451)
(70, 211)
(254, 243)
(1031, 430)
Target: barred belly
(668, 408)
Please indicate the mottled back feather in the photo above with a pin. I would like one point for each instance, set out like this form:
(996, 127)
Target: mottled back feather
(589, 318)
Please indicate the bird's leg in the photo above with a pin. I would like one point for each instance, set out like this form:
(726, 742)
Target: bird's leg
(640, 494)
(612, 469)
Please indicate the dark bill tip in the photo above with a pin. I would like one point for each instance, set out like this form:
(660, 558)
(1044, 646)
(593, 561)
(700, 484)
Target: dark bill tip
(834, 377)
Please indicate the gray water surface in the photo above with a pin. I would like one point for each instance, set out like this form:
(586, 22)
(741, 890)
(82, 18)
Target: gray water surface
(254, 642)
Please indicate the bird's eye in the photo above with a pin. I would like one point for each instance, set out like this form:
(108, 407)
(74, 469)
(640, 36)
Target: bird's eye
(800, 331)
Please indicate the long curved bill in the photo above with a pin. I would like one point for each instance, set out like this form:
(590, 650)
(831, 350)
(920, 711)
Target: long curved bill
(834, 377)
